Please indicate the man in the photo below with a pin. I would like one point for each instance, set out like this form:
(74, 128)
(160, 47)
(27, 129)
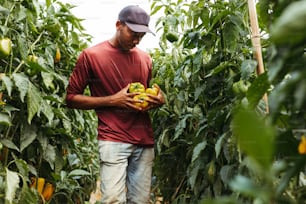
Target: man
(124, 129)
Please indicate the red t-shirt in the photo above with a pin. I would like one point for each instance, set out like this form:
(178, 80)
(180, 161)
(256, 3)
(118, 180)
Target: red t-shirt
(106, 70)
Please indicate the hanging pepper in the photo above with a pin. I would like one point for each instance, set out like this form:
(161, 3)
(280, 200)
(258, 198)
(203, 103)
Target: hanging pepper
(48, 191)
(5, 47)
(57, 55)
(40, 184)
(302, 145)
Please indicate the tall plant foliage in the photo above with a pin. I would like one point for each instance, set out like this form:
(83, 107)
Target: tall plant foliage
(39, 136)
(205, 138)
(200, 69)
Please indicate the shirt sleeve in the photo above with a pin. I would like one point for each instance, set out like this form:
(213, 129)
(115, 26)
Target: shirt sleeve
(79, 78)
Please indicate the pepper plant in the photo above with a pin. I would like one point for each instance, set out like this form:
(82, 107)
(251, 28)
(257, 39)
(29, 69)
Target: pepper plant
(39, 136)
(215, 141)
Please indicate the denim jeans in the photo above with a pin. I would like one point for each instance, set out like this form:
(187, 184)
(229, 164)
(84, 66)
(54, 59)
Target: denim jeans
(126, 171)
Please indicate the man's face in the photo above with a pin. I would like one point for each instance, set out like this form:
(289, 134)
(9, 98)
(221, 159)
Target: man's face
(127, 38)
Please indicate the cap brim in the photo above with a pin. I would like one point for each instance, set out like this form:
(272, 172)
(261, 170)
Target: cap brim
(139, 28)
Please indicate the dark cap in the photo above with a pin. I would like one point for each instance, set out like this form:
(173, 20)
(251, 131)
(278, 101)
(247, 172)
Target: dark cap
(135, 18)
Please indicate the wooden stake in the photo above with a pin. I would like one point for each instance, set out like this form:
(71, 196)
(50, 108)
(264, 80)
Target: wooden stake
(255, 37)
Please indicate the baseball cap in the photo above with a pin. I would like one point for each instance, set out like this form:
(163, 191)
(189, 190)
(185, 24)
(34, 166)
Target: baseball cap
(135, 18)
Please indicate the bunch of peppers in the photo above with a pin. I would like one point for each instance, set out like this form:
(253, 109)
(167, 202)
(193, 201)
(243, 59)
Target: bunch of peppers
(137, 87)
(44, 188)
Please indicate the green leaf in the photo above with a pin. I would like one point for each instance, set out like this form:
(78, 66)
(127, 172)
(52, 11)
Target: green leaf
(5, 119)
(50, 155)
(12, 184)
(48, 3)
(156, 9)
(46, 109)
(34, 100)
(22, 83)
(218, 145)
(255, 136)
(218, 18)
(8, 84)
(22, 45)
(248, 68)
(222, 66)
(73, 159)
(245, 186)
(299, 95)
(227, 172)
(181, 126)
(49, 61)
(67, 125)
(231, 31)
(59, 162)
(9, 109)
(9, 144)
(28, 135)
(193, 173)
(257, 89)
(22, 14)
(198, 91)
(23, 167)
(48, 79)
(197, 60)
(4, 10)
(163, 140)
(198, 149)
(291, 172)
(290, 27)
(78, 172)
(43, 140)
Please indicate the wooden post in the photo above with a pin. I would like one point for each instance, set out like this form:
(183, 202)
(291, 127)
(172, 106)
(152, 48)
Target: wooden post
(255, 37)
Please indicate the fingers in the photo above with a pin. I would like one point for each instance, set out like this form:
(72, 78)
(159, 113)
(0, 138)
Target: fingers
(132, 106)
(153, 100)
(156, 85)
(158, 100)
(126, 88)
(160, 94)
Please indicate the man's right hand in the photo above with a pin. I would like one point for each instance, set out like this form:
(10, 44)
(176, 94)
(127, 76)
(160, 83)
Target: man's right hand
(124, 99)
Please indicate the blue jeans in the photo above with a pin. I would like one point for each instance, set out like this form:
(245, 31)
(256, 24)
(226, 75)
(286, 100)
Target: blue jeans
(126, 171)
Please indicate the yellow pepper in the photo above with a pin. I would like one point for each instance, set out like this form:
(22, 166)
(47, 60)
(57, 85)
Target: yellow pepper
(302, 145)
(137, 87)
(153, 90)
(40, 184)
(57, 55)
(143, 98)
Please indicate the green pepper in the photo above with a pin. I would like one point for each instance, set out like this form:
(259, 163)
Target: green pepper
(5, 47)
(32, 65)
(32, 59)
(171, 37)
(241, 87)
